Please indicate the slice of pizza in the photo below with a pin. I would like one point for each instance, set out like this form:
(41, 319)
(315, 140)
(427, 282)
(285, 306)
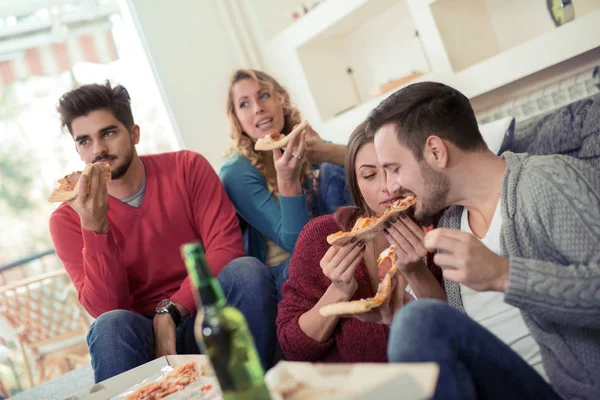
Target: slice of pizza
(386, 264)
(367, 228)
(172, 382)
(69, 185)
(278, 140)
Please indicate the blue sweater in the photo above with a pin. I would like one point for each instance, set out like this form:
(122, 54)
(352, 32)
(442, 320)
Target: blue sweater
(259, 211)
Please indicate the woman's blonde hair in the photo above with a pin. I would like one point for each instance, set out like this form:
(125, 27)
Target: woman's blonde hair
(242, 143)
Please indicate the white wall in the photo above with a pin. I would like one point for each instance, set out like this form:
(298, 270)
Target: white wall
(385, 48)
(467, 31)
(278, 13)
(193, 55)
(324, 63)
(513, 28)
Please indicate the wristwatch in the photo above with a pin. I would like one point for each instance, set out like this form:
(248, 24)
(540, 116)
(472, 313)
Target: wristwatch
(168, 306)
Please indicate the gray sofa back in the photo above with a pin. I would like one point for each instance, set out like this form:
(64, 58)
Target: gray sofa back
(572, 130)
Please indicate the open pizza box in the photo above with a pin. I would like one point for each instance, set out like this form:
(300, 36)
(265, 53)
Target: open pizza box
(287, 381)
(117, 386)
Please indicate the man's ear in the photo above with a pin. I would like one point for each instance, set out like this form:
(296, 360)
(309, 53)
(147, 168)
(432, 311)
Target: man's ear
(435, 152)
(135, 134)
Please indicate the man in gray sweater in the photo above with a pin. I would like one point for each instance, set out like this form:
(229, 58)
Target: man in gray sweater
(519, 245)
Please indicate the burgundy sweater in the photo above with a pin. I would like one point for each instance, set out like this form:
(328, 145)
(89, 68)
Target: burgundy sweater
(351, 340)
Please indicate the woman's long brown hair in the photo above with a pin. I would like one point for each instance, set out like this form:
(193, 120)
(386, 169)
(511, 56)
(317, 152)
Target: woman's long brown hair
(346, 216)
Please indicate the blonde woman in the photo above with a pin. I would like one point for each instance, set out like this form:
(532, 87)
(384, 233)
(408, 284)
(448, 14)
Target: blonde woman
(276, 193)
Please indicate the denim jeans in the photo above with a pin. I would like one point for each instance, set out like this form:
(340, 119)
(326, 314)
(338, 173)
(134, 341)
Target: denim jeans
(120, 340)
(280, 274)
(255, 290)
(474, 364)
(333, 191)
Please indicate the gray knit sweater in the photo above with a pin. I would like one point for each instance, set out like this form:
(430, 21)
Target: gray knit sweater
(551, 235)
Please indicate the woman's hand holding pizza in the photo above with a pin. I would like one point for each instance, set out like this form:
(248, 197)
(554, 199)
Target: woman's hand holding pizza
(288, 165)
(91, 203)
(384, 314)
(339, 265)
(407, 236)
(466, 260)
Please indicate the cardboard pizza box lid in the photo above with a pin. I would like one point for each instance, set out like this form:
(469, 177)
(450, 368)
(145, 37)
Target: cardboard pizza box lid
(362, 381)
(118, 384)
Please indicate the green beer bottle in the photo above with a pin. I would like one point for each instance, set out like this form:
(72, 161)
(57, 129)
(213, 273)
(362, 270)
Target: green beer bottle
(223, 334)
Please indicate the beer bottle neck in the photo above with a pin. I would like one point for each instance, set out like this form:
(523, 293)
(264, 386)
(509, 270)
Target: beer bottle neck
(211, 293)
(208, 288)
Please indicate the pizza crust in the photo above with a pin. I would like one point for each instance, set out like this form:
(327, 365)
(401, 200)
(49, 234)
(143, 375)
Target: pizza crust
(265, 144)
(364, 305)
(375, 226)
(58, 196)
(346, 308)
(68, 190)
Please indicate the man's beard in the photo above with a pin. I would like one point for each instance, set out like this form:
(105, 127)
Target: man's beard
(437, 187)
(121, 169)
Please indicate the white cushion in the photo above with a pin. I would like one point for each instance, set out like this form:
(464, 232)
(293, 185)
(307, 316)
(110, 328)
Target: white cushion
(498, 132)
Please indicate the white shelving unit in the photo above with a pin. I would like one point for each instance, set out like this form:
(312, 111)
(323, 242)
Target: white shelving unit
(476, 46)
(331, 18)
(375, 39)
(546, 50)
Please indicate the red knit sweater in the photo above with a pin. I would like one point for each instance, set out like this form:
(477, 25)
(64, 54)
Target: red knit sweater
(138, 262)
(351, 340)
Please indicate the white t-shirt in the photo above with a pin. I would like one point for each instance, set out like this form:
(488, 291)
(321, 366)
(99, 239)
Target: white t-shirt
(490, 310)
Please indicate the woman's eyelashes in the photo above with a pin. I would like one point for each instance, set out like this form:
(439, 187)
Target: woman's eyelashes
(370, 176)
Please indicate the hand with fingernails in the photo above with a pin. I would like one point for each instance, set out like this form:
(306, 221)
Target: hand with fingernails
(339, 265)
(289, 164)
(407, 236)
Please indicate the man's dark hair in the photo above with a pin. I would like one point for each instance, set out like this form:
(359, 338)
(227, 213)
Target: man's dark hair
(85, 99)
(428, 108)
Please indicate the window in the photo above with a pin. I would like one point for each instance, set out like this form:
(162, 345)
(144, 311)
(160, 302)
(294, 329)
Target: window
(44, 53)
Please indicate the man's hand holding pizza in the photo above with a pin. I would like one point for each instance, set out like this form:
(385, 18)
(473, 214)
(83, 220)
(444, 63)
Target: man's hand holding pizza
(91, 203)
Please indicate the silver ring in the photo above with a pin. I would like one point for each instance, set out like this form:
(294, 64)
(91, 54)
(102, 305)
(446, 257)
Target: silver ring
(296, 156)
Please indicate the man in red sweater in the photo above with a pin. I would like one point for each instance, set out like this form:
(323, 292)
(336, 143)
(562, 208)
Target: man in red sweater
(120, 243)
